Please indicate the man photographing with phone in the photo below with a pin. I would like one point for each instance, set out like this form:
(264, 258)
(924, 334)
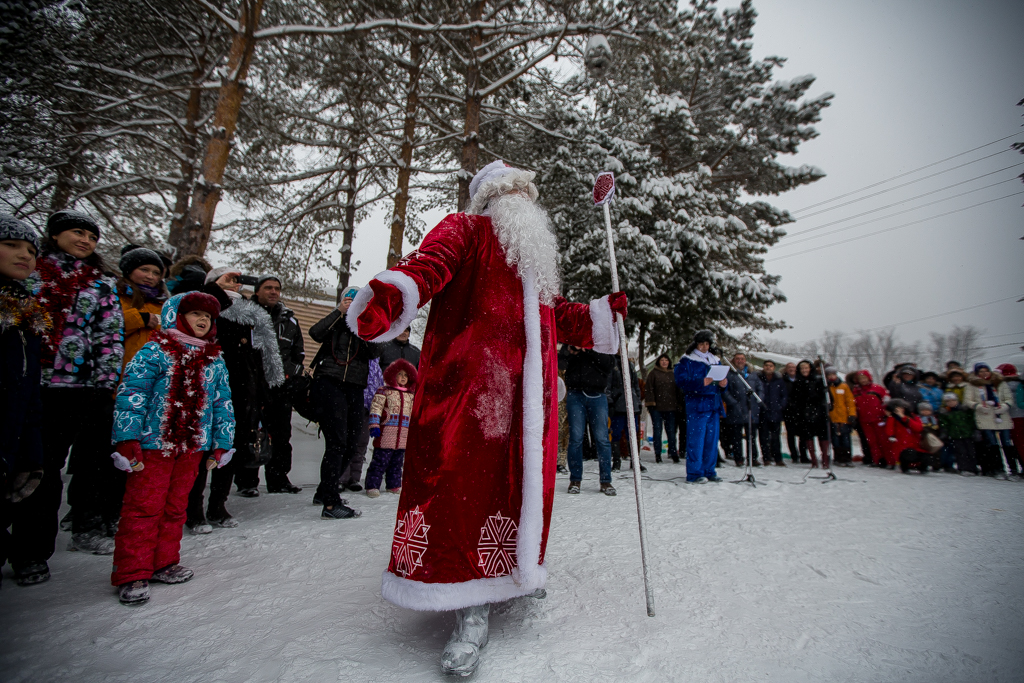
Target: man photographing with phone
(340, 370)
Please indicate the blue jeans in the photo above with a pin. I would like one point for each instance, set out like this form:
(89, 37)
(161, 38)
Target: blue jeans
(668, 418)
(584, 409)
(619, 428)
(701, 445)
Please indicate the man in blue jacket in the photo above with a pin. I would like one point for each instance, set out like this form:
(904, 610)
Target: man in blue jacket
(703, 408)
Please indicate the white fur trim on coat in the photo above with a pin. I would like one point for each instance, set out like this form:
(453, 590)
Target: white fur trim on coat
(605, 332)
(529, 574)
(410, 304)
(443, 597)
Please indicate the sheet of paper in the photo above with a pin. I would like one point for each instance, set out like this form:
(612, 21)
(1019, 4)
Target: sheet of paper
(718, 372)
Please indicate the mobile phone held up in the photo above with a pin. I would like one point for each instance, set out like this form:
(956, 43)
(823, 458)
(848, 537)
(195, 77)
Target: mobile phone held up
(350, 293)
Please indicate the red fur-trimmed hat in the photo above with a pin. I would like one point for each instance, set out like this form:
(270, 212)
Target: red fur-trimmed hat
(391, 373)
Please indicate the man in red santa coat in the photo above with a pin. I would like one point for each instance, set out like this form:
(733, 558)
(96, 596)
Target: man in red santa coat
(481, 455)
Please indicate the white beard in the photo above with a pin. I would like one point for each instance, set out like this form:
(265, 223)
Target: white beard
(524, 231)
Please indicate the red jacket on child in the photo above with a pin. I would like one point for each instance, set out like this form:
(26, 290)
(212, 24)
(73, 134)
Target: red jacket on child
(906, 431)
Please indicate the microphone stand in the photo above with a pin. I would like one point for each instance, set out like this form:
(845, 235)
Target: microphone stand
(748, 471)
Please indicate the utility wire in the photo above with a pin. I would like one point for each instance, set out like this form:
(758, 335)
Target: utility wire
(925, 194)
(895, 227)
(912, 182)
(903, 175)
(882, 218)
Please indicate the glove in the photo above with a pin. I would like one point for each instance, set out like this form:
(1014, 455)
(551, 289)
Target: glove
(24, 484)
(127, 456)
(220, 457)
(618, 303)
(384, 306)
(375, 432)
(853, 422)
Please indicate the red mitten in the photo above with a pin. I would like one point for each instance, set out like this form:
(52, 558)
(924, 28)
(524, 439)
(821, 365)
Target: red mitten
(618, 303)
(384, 307)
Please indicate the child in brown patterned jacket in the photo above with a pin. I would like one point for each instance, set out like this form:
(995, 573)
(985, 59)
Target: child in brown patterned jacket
(390, 412)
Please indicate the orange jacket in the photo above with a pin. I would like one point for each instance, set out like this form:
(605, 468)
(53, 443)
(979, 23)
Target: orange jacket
(844, 406)
(136, 334)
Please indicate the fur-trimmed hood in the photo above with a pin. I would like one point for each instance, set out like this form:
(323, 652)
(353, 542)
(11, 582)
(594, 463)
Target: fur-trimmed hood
(995, 379)
(264, 339)
(391, 374)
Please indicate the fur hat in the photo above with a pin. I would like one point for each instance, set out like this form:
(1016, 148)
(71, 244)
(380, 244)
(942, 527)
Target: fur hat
(899, 403)
(263, 278)
(391, 373)
(494, 179)
(134, 256)
(214, 274)
(69, 219)
(955, 371)
(950, 396)
(12, 228)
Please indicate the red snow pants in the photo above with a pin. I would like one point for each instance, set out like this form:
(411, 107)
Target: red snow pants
(152, 516)
(878, 442)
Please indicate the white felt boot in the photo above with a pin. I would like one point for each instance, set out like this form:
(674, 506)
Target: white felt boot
(461, 655)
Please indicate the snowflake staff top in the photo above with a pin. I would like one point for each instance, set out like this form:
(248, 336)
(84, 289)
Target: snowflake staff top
(604, 188)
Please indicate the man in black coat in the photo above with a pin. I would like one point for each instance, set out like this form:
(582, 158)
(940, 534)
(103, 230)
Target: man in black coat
(742, 410)
(341, 368)
(399, 347)
(278, 414)
(775, 395)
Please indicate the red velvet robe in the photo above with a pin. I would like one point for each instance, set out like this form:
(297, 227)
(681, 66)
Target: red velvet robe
(480, 463)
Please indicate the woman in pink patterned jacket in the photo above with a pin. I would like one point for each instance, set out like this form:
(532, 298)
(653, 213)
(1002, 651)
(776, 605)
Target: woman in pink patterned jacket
(389, 426)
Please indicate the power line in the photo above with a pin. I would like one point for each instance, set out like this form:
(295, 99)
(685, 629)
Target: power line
(918, 320)
(910, 199)
(903, 175)
(895, 227)
(882, 218)
(912, 182)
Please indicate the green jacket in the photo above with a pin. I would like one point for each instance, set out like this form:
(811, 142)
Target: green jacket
(958, 423)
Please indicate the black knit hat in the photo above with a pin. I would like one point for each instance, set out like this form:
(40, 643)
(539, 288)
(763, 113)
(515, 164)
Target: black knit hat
(12, 228)
(68, 219)
(133, 256)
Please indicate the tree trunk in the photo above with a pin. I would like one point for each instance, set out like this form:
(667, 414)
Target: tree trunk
(641, 343)
(207, 192)
(189, 148)
(405, 169)
(344, 269)
(471, 129)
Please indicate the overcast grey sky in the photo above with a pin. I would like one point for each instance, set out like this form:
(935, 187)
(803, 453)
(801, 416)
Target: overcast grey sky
(915, 82)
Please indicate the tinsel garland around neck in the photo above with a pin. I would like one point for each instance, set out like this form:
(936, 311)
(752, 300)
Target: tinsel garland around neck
(18, 309)
(186, 394)
(62, 278)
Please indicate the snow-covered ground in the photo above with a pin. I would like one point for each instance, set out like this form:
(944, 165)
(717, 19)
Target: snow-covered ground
(877, 577)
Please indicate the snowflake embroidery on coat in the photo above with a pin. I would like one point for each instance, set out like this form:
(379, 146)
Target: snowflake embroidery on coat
(497, 546)
(410, 542)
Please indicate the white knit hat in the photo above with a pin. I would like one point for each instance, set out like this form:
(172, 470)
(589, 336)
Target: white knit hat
(214, 274)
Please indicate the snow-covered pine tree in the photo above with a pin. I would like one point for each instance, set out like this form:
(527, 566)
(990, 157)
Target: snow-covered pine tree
(693, 127)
